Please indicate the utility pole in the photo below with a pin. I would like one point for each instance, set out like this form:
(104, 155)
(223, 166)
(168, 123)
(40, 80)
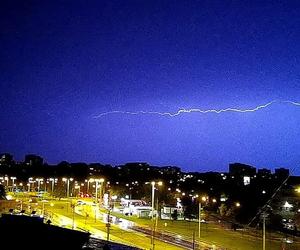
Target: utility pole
(152, 215)
(264, 232)
(194, 240)
(108, 218)
(264, 215)
(108, 225)
(199, 225)
(156, 222)
(73, 216)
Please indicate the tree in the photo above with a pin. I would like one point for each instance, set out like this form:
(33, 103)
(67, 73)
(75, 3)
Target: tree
(2, 193)
(222, 210)
(174, 215)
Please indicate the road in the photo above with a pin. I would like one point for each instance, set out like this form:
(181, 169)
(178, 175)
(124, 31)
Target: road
(87, 218)
(139, 233)
(161, 236)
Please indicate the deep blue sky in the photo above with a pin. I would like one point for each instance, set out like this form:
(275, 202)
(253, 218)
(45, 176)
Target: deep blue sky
(63, 62)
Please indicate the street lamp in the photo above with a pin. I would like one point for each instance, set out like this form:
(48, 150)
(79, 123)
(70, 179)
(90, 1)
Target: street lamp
(153, 183)
(39, 180)
(6, 179)
(67, 180)
(13, 182)
(203, 198)
(52, 184)
(87, 186)
(30, 180)
(97, 181)
(153, 193)
(78, 186)
(21, 186)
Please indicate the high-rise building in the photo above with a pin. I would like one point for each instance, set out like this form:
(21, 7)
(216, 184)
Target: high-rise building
(6, 159)
(282, 172)
(33, 160)
(239, 169)
(264, 173)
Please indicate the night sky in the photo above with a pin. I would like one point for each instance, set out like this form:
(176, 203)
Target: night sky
(65, 64)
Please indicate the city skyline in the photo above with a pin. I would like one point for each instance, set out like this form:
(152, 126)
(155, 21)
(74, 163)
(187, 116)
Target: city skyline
(193, 84)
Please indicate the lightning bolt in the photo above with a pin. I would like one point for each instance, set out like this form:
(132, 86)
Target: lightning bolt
(195, 110)
(293, 103)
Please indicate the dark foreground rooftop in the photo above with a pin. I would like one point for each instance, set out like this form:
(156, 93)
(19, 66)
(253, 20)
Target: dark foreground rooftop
(25, 232)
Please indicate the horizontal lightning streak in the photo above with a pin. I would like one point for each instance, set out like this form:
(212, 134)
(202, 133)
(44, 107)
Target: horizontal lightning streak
(293, 103)
(195, 110)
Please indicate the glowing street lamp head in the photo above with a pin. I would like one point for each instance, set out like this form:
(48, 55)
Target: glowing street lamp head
(203, 198)
(152, 183)
(160, 183)
(237, 204)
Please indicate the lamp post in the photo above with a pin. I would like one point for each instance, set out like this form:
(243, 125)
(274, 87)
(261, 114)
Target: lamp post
(101, 183)
(87, 186)
(78, 186)
(39, 180)
(13, 183)
(152, 205)
(96, 195)
(6, 179)
(152, 198)
(264, 215)
(30, 180)
(52, 184)
(21, 186)
(67, 180)
(204, 199)
(97, 181)
(199, 224)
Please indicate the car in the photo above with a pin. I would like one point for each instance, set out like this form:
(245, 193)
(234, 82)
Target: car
(80, 202)
(287, 240)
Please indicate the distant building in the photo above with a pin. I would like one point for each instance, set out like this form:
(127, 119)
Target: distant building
(282, 172)
(241, 170)
(33, 160)
(264, 173)
(6, 159)
(136, 164)
(172, 170)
